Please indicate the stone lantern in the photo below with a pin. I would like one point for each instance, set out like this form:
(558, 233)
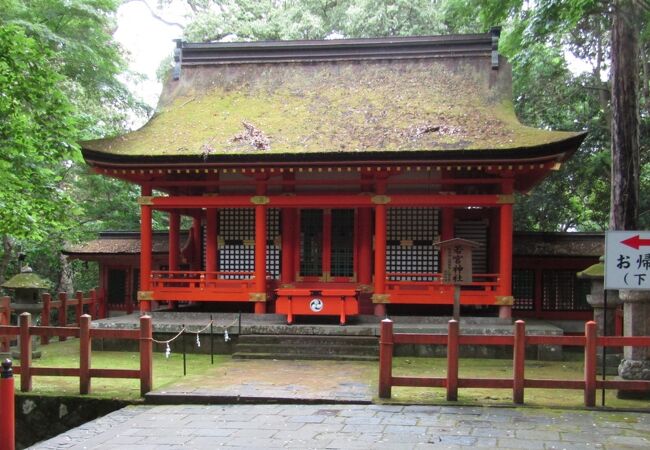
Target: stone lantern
(28, 288)
(604, 315)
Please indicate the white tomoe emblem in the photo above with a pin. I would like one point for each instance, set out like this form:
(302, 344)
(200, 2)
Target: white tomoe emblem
(316, 305)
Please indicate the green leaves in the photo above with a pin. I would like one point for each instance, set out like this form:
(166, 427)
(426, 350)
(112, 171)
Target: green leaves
(37, 134)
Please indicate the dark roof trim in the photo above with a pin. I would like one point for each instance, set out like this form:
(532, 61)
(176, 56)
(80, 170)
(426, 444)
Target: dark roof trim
(192, 54)
(562, 149)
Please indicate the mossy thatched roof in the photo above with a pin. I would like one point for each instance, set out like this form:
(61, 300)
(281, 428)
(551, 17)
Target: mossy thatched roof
(394, 105)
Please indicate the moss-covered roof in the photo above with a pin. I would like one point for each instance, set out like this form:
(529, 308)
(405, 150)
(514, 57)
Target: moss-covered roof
(28, 280)
(120, 243)
(442, 103)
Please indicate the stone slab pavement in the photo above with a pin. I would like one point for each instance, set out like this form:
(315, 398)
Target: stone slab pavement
(256, 381)
(168, 427)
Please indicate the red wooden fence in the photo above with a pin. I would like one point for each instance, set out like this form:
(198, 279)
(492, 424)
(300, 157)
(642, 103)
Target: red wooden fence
(85, 334)
(590, 341)
(5, 317)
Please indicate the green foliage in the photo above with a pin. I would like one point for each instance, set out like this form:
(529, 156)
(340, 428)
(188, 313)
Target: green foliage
(37, 138)
(59, 68)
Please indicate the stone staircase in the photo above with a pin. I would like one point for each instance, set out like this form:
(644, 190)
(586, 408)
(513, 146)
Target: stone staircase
(279, 346)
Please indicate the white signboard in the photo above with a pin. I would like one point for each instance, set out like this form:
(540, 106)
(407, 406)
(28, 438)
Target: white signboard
(627, 260)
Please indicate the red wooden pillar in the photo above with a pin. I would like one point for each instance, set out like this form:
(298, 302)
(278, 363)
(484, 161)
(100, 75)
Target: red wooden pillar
(7, 402)
(79, 307)
(174, 240)
(211, 243)
(365, 246)
(84, 354)
(63, 312)
(505, 252)
(146, 355)
(25, 321)
(196, 242)
(590, 363)
(379, 295)
(518, 362)
(447, 224)
(145, 247)
(45, 317)
(453, 331)
(260, 249)
(385, 358)
(288, 239)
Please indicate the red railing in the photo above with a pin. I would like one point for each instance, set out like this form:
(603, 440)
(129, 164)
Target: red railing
(62, 305)
(85, 334)
(429, 288)
(201, 286)
(590, 341)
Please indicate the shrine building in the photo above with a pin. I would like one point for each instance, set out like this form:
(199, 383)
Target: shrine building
(319, 176)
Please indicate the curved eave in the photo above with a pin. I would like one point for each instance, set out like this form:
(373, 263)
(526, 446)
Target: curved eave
(559, 150)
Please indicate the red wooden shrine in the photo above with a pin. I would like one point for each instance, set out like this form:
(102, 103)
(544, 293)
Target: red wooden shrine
(318, 175)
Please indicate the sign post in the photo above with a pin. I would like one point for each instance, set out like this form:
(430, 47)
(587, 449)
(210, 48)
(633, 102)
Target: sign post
(457, 266)
(627, 260)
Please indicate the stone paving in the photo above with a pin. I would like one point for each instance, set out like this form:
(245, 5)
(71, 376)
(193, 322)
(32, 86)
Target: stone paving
(256, 381)
(355, 426)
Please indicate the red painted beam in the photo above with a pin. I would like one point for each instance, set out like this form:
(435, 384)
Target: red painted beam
(327, 201)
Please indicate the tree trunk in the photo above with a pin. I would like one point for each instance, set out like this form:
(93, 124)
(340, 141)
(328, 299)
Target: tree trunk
(7, 255)
(624, 208)
(65, 277)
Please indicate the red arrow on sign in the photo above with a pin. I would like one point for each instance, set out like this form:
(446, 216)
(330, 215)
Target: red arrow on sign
(635, 242)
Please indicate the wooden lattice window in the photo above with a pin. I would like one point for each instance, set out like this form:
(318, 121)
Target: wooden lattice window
(311, 242)
(237, 241)
(409, 248)
(523, 289)
(477, 231)
(273, 255)
(563, 291)
(342, 243)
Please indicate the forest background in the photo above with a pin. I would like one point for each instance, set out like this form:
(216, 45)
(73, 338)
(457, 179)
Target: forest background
(64, 78)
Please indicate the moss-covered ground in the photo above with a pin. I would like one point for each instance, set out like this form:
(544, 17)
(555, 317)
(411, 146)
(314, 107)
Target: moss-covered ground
(169, 371)
(501, 368)
(66, 354)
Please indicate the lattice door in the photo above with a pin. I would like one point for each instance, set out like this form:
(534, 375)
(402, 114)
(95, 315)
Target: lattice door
(342, 243)
(563, 291)
(477, 231)
(237, 241)
(409, 248)
(523, 289)
(311, 242)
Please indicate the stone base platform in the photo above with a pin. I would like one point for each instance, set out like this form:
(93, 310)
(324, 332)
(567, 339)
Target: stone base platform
(277, 340)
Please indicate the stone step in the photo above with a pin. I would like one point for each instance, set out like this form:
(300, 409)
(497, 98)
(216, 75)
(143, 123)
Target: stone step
(285, 356)
(315, 340)
(307, 349)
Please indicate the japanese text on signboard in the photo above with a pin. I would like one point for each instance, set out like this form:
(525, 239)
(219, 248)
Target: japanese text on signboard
(627, 260)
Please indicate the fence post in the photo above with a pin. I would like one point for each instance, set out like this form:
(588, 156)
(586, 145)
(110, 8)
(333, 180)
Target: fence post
(93, 307)
(84, 354)
(45, 316)
(7, 408)
(518, 362)
(385, 358)
(590, 363)
(25, 352)
(63, 312)
(452, 360)
(79, 307)
(5, 317)
(146, 355)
